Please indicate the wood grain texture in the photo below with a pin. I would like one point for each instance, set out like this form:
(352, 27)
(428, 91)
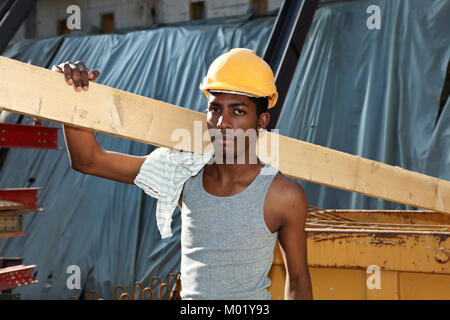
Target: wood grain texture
(43, 94)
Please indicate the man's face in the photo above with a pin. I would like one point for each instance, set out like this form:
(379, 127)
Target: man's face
(232, 119)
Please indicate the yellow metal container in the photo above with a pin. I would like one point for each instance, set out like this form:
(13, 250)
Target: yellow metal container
(354, 254)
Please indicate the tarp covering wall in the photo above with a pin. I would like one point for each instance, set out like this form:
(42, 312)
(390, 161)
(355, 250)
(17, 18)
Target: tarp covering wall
(374, 93)
(109, 229)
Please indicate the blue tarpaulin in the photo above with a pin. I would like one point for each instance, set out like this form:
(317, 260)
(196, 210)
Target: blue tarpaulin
(370, 92)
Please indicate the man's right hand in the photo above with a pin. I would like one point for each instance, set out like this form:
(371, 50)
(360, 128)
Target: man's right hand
(77, 74)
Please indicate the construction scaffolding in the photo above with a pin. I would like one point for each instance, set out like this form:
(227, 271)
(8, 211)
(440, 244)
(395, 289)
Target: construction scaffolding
(17, 202)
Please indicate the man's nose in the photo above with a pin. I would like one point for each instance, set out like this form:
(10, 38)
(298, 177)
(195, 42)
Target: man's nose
(224, 122)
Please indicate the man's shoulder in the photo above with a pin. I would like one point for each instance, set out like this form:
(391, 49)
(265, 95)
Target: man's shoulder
(285, 185)
(286, 193)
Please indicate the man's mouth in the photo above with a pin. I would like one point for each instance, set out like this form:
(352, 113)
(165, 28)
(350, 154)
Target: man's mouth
(227, 139)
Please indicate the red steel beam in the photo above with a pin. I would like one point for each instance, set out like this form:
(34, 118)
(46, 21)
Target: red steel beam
(16, 276)
(26, 196)
(11, 234)
(27, 136)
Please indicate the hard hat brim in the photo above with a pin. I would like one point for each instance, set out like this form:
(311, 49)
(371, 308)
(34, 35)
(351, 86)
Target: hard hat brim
(226, 87)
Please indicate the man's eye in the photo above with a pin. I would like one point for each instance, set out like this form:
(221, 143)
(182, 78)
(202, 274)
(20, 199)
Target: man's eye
(213, 109)
(239, 112)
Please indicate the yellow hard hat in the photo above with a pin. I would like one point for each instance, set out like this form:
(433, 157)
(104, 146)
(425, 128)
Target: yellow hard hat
(241, 71)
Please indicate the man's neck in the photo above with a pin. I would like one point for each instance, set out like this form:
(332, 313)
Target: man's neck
(234, 171)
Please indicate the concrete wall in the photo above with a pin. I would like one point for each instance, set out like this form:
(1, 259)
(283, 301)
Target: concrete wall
(126, 13)
(133, 13)
(170, 11)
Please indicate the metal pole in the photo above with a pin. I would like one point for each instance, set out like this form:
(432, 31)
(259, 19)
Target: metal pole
(285, 44)
(18, 11)
(5, 8)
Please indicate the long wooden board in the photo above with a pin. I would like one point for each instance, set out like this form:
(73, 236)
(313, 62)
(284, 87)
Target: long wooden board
(43, 94)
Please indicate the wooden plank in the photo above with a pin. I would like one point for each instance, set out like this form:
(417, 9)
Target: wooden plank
(9, 205)
(7, 213)
(43, 94)
(378, 226)
(306, 161)
(391, 216)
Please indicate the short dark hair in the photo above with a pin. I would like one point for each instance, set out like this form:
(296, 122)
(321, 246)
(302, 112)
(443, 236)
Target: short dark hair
(262, 104)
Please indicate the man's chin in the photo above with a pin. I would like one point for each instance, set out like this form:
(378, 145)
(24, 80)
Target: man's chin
(226, 155)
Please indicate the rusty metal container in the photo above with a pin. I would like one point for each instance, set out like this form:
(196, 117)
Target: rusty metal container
(370, 254)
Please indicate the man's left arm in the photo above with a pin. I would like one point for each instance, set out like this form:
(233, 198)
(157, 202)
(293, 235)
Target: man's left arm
(292, 239)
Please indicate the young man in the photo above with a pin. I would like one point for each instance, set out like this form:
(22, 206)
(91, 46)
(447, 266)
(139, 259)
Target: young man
(232, 213)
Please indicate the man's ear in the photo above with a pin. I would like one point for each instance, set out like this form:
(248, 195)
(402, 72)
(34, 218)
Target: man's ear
(264, 119)
(207, 103)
